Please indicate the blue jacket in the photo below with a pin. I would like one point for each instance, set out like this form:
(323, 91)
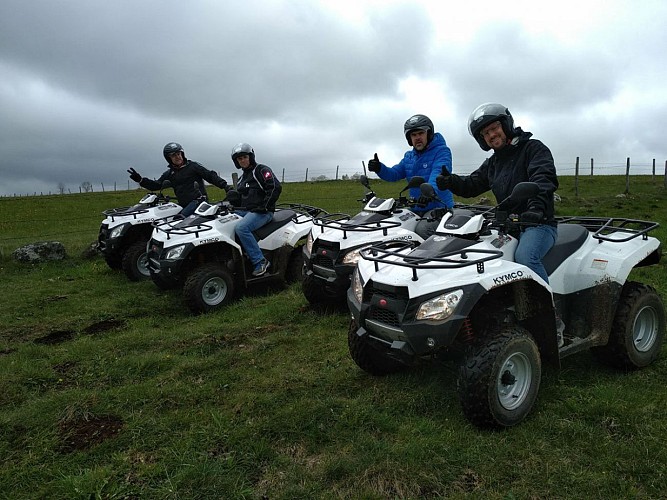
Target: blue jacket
(427, 164)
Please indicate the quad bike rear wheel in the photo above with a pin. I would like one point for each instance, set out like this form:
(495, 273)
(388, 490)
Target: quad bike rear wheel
(638, 329)
(208, 287)
(367, 357)
(135, 261)
(499, 378)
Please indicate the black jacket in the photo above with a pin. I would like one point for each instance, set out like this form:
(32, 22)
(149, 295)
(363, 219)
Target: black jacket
(524, 159)
(259, 189)
(183, 181)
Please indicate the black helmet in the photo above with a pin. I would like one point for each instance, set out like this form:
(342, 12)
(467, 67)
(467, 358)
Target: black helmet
(172, 147)
(418, 122)
(487, 113)
(243, 148)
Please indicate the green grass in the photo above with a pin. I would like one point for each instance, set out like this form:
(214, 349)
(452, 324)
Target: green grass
(111, 389)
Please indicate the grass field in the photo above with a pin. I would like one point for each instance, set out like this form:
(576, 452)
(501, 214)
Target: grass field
(111, 389)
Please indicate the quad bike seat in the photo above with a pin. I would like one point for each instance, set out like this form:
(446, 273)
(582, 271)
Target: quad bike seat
(570, 238)
(280, 218)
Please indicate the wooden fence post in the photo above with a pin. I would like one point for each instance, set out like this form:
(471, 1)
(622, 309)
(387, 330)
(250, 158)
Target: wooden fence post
(653, 175)
(627, 176)
(339, 166)
(306, 174)
(576, 178)
(591, 167)
(283, 181)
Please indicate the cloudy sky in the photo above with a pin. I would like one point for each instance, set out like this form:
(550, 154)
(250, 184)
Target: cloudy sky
(91, 87)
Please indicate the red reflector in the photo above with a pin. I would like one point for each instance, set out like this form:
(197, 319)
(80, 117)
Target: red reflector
(383, 303)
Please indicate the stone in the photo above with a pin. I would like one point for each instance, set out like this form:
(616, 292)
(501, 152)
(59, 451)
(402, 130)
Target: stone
(40, 251)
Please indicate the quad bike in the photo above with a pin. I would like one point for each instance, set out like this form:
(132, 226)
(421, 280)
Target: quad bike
(332, 249)
(202, 255)
(461, 293)
(125, 232)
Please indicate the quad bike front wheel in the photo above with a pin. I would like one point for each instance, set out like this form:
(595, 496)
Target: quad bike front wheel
(135, 261)
(208, 287)
(163, 283)
(638, 329)
(294, 271)
(368, 358)
(114, 261)
(499, 378)
(318, 294)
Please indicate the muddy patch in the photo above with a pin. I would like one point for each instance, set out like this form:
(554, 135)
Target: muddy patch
(55, 337)
(104, 326)
(84, 433)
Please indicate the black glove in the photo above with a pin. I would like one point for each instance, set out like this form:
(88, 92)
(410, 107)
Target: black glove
(422, 201)
(260, 210)
(444, 180)
(134, 175)
(531, 216)
(374, 164)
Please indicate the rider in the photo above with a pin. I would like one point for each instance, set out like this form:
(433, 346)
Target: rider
(186, 177)
(259, 190)
(516, 158)
(428, 154)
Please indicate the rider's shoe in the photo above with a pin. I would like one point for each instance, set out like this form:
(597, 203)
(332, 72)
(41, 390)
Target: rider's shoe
(261, 268)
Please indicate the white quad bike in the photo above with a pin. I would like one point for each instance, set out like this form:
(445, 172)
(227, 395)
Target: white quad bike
(461, 292)
(202, 254)
(332, 250)
(125, 231)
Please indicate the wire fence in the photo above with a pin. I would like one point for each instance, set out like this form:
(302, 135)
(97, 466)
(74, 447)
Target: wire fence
(318, 174)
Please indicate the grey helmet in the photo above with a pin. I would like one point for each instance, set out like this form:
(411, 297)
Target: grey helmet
(418, 122)
(243, 148)
(172, 147)
(485, 114)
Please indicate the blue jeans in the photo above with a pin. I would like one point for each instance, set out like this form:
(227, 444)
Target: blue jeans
(244, 229)
(534, 243)
(190, 208)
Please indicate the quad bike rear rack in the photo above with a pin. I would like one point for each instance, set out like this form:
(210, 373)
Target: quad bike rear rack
(609, 228)
(304, 213)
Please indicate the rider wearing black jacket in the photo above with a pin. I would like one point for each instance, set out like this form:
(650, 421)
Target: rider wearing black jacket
(259, 190)
(182, 174)
(517, 158)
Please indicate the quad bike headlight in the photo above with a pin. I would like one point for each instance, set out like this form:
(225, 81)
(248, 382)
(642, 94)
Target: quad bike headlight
(353, 256)
(174, 253)
(357, 285)
(309, 242)
(440, 307)
(117, 231)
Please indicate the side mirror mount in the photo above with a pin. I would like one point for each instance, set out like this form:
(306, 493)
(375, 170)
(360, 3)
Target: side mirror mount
(414, 182)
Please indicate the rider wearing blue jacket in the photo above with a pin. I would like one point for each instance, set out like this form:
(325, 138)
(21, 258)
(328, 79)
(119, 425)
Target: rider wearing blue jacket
(427, 158)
